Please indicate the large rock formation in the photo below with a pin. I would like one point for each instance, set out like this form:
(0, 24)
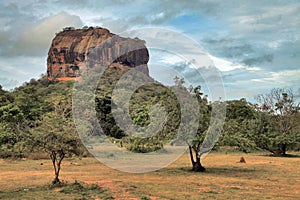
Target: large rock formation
(74, 51)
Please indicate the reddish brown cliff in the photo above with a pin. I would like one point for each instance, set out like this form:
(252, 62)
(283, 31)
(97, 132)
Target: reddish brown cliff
(75, 51)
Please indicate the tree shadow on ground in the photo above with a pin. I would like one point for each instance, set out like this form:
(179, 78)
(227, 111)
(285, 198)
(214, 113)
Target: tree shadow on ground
(233, 171)
(226, 171)
(175, 170)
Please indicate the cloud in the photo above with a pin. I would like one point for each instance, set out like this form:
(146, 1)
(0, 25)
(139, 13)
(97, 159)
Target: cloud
(9, 84)
(244, 83)
(224, 65)
(38, 36)
(25, 39)
(260, 33)
(286, 78)
(258, 60)
(120, 15)
(34, 39)
(229, 47)
(164, 66)
(22, 68)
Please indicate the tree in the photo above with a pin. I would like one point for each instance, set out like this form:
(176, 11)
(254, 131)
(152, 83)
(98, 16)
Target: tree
(56, 136)
(279, 112)
(12, 128)
(195, 144)
(22, 110)
(179, 81)
(238, 129)
(30, 102)
(5, 97)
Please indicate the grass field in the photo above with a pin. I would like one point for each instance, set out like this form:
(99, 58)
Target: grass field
(261, 177)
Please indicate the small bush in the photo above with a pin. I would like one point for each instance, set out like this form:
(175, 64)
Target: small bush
(77, 186)
(141, 145)
(145, 197)
(86, 191)
(7, 151)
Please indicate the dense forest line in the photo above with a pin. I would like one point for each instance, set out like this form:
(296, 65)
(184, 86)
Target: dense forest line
(37, 116)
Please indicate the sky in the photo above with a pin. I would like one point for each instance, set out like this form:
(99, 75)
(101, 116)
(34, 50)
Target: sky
(255, 45)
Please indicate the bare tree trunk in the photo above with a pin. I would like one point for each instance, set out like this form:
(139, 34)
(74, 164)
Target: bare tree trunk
(53, 159)
(56, 165)
(56, 179)
(191, 155)
(197, 166)
(283, 149)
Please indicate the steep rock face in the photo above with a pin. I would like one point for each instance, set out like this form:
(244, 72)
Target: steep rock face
(75, 51)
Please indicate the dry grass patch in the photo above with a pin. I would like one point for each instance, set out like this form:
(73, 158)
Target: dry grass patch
(261, 177)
